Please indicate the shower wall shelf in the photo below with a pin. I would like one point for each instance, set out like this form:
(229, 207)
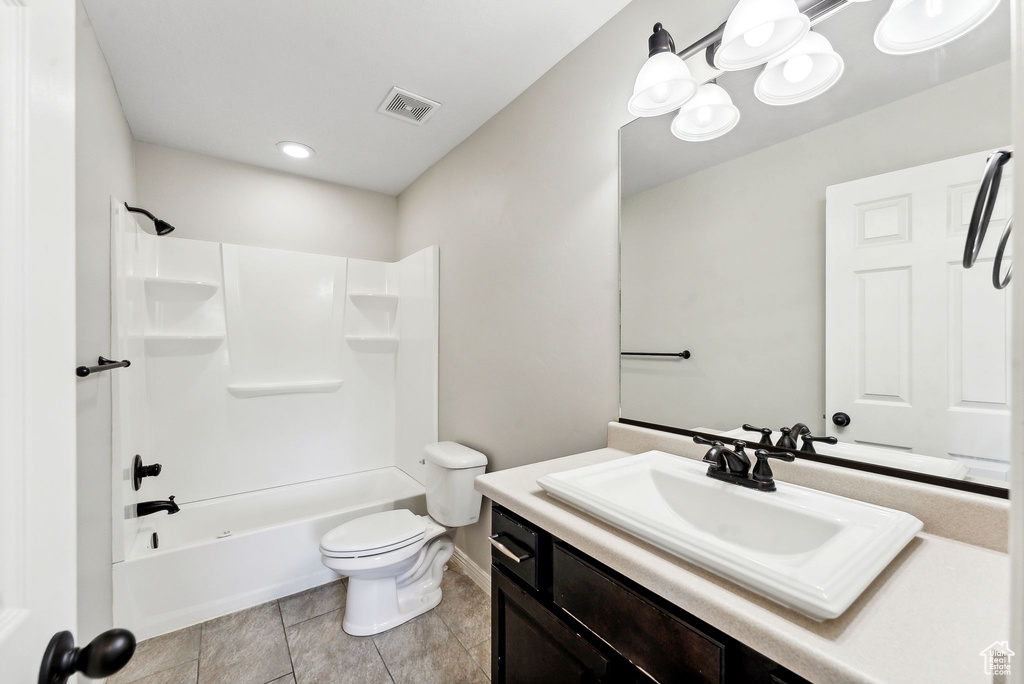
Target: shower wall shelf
(372, 343)
(178, 290)
(370, 299)
(181, 344)
(256, 389)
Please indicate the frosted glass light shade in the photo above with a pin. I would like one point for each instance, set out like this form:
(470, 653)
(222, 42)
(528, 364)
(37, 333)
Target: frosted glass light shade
(912, 26)
(663, 85)
(758, 30)
(708, 115)
(801, 73)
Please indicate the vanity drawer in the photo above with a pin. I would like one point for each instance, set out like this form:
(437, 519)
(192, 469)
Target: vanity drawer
(660, 644)
(514, 546)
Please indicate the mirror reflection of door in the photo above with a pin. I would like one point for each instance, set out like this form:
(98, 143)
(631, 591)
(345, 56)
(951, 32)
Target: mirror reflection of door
(917, 347)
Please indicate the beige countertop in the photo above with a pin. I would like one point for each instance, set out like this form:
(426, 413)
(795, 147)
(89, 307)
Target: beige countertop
(925, 619)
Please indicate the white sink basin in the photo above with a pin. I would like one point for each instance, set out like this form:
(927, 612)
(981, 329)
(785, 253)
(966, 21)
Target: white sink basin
(811, 551)
(894, 458)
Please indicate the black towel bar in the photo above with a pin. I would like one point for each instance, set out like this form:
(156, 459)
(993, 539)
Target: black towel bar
(680, 355)
(105, 364)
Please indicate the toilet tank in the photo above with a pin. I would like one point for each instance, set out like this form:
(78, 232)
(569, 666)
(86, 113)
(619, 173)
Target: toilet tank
(451, 469)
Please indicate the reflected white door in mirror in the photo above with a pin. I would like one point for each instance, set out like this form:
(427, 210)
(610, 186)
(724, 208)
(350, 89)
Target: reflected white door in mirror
(917, 347)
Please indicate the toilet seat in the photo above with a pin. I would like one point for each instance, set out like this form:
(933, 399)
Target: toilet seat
(376, 534)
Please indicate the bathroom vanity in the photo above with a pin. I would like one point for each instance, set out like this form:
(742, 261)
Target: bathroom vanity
(560, 615)
(576, 599)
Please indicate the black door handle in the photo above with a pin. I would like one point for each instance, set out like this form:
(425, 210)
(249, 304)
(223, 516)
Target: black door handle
(102, 657)
(840, 419)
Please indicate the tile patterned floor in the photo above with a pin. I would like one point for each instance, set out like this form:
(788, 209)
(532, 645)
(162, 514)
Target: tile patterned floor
(299, 640)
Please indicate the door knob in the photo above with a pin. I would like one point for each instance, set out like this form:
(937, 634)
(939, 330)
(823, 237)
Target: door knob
(102, 657)
(840, 419)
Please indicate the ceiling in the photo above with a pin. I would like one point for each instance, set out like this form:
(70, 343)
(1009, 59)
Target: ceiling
(652, 156)
(232, 78)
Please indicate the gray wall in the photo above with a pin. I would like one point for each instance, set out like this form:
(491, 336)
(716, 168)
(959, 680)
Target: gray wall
(206, 198)
(104, 166)
(729, 261)
(526, 214)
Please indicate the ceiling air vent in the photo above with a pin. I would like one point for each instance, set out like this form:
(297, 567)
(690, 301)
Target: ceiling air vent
(406, 106)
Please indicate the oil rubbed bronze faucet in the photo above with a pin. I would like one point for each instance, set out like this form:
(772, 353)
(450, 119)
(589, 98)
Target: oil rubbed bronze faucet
(150, 507)
(733, 465)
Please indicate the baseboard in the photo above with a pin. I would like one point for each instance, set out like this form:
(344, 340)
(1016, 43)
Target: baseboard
(480, 577)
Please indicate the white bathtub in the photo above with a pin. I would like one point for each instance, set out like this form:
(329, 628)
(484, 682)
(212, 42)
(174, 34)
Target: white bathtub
(226, 554)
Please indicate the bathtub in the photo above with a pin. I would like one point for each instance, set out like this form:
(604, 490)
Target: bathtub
(222, 555)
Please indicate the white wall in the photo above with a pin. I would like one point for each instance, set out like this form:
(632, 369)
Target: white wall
(742, 283)
(206, 198)
(526, 214)
(105, 166)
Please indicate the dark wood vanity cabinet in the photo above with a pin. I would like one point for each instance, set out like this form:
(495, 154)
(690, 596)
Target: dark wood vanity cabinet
(560, 616)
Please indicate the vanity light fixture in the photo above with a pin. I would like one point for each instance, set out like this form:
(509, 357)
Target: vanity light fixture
(803, 72)
(296, 150)
(708, 115)
(758, 30)
(664, 82)
(912, 26)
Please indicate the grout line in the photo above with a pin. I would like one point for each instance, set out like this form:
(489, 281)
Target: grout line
(287, 646)
(199, 652)
(170, 667)
(379, 655)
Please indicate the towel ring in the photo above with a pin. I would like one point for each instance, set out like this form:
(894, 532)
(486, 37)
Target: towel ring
(984, 204)
(997, 263)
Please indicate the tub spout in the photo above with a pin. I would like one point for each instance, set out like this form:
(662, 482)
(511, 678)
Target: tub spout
(149, 507)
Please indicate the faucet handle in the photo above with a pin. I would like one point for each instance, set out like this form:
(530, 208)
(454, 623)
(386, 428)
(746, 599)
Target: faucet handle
(766, 433)
(738, 448)
(786, 441)
(762, 471)
(697, 439)
(809, 440)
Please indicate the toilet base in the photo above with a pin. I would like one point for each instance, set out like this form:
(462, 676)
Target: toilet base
(375, 604)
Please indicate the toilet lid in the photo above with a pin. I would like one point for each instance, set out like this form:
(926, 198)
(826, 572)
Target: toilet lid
(379, 532)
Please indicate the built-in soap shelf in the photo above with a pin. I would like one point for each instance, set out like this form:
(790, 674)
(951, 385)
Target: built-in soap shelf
(175, 344)
(259, 389)
(179, 289)
(373, 343)
(374, 300)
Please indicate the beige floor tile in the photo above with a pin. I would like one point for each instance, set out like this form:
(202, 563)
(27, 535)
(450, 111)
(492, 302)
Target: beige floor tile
(465, 608)
(424, 651)
(159, 654)
(179, 674)
(247, 647)
(308, 604)
(324, 654)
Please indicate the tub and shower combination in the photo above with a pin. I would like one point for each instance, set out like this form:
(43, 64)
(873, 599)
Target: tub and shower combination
(218, 556)
(283, 394)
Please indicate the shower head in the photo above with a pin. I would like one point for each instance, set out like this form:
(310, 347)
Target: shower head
(162, 227)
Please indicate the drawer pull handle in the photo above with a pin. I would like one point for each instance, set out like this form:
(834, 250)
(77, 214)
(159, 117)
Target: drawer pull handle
(504, 550)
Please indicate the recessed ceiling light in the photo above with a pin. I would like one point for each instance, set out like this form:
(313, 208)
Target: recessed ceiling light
(297, 150)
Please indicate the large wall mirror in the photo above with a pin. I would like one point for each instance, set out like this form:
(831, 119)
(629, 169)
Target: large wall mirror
(804, 269)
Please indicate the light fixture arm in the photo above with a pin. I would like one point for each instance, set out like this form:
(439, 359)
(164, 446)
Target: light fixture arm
(816, 10)
(660, 41)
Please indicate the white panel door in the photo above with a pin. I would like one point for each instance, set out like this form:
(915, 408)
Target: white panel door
(917, 348)
(37, 330)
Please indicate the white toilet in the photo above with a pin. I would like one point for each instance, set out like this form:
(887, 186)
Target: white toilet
(394, 560)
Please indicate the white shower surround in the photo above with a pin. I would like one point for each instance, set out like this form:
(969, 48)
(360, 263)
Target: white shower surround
(256, 374)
